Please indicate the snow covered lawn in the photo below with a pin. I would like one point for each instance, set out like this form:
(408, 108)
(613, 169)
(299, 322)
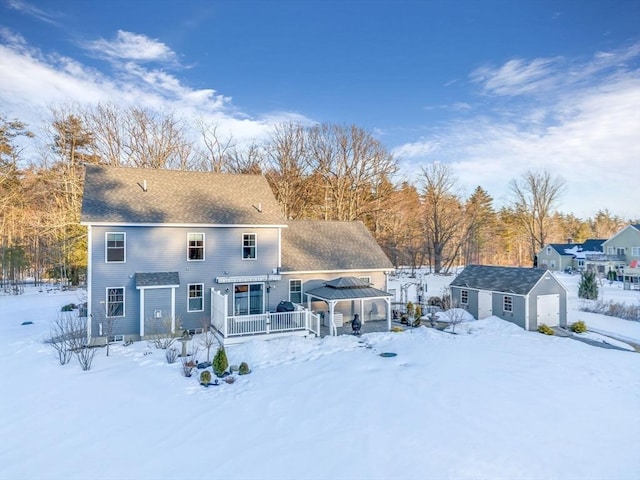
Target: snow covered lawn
(493, 402)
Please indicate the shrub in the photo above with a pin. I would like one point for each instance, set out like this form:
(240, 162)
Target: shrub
(205, 377)
(171, 355)
(220, 362)
(588, 287)
(546, 329)
(578, 327)
(69, 307)
(243, 369)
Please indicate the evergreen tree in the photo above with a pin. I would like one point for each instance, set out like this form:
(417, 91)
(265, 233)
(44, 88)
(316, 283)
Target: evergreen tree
(588, 287)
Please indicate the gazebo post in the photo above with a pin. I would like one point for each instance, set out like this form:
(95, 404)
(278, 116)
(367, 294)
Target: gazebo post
(388, 302)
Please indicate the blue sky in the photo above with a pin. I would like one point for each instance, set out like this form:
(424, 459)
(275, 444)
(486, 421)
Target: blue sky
(491, 87)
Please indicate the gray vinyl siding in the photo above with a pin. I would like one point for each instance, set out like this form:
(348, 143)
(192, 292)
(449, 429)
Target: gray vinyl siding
(547, 286)
(523, 306)
(164, 249)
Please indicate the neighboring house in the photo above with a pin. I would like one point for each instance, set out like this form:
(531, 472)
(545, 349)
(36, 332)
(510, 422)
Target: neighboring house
(622, 255)
(562, 257)
(181, 250)
(557, 256)
(527, 297)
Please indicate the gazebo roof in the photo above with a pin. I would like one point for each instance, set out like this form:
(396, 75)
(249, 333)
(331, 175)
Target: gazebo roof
(347, 288)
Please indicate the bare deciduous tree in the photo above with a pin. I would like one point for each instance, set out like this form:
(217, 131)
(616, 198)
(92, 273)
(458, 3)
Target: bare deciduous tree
(208, 338)
(214, 154)
(534, 197)
(443, 215)
(351, 164)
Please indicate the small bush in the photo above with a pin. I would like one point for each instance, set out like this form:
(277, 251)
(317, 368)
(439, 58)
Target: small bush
(220, 362)
(578, 327)
(546, 329)
(171, 355)
(69, 307)
(243, 369)
(205, 377)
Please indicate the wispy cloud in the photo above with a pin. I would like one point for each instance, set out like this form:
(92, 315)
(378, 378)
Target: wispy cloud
(33, 80)
(585, 129)
(517, 77)
(133, 47)
(33, 11)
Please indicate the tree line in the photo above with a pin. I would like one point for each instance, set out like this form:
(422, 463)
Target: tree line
(325, 171)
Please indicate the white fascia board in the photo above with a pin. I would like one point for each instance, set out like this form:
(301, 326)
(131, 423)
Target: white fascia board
(185, 225)
(307, 272)
(157, 286)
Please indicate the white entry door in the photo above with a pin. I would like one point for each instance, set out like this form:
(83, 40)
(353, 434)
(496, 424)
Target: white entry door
(548, 307)
(485, 308)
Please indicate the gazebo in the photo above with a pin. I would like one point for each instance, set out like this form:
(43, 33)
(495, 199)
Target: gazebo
(348, 289)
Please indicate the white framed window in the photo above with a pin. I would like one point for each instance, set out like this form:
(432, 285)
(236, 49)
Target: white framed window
(635, 251)
(611, 250)
(195, 299)
(548, 250)
(464, 297)
(249, 246)
(115, 302)
(195, 247)
(507, 303)
(366, 279)
(552, 264)
(580, 262)
(295, 291)
(115, 245)
(248, 298)
(116, 338)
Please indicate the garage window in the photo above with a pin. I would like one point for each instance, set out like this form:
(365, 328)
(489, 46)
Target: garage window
(507, 304)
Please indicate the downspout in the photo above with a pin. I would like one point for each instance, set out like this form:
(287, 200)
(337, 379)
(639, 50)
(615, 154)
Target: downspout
(141, 313)
(89, 281)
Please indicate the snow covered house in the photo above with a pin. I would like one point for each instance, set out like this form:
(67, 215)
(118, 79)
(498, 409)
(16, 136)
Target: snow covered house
(560, 257)
(183, 250)
(527, 297)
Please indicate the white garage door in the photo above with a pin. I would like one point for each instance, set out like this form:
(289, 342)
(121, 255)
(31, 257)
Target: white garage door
(549, 310)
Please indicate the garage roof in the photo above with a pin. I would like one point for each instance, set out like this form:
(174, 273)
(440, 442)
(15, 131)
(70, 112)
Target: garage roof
(516, 280)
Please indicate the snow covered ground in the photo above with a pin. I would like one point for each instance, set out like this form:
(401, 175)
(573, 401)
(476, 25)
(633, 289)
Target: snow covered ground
(492, 402)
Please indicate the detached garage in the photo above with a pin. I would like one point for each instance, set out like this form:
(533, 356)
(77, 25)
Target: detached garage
(527, 297)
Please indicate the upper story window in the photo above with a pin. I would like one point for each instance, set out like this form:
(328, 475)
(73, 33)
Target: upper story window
(366, 279)
(115, 302)
(611, 250)
(507, 304)
(195, 297)
(115, 246)
(464, 297)
(552, 264)
(295, 291)
(249, 246)
(548, 250)
(635, 251)
(195, 248)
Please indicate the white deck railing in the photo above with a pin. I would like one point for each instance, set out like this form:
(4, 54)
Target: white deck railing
(300, 320)
(268, 323)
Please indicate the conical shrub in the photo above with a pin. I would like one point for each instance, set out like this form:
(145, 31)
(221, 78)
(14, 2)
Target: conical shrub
(220, 362)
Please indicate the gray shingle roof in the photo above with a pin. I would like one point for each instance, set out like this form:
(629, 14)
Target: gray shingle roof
(157, 279)
(561, 247)
(116, 195)
(345, 288)
(310, 245)
(593, 244)
(516, 280)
